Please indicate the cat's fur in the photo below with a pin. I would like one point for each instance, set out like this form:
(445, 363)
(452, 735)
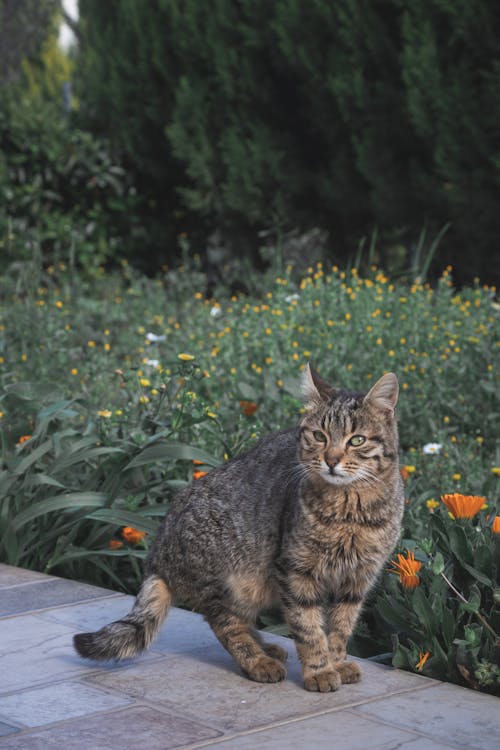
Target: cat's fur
(304, 518)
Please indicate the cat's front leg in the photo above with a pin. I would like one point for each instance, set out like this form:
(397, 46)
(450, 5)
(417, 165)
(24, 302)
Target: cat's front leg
(341, 618)
(303, 608)
(306, 628)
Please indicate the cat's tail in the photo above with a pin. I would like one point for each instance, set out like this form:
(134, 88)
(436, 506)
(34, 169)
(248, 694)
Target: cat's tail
(135, 632)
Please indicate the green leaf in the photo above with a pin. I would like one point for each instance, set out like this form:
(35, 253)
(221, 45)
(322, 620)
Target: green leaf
(423, 610)
(33, 457)
(459, 544)
(119, 517)
(481, 577)
(438, 564)
(164, 451)
(70, 500)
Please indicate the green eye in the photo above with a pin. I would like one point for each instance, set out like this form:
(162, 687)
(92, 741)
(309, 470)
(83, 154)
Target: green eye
(319, 436)
(357, 440)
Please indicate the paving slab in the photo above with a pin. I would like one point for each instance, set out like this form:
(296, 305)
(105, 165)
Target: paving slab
(187, 692)
(40, 594)
(446, 713)
(236, 704)
(339, 731)
(136, 727)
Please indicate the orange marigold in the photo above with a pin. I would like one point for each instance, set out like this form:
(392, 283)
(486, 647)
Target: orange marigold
(463, 506)
(131, 535)
(495, 526)
(199, 474)
(248, 408)
(407, 568)
(115, 544)
(422, 658)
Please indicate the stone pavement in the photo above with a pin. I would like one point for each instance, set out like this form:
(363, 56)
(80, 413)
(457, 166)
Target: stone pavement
(186, 692)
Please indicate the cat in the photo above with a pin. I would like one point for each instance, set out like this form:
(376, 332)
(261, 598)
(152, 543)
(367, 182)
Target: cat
(306, 518)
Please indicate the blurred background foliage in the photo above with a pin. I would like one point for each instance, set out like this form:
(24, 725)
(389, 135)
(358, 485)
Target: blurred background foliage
(256, 120)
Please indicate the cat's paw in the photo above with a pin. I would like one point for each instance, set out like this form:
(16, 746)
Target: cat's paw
(275, 652)
(349, 671)
(266, 669)
(323, 682)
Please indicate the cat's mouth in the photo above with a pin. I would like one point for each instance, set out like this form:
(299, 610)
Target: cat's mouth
(335, 474)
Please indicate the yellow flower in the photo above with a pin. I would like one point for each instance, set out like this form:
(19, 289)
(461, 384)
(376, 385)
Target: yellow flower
(91, 344)
(431, 504)
(144, 400)
(407, 568)
(185, 357)
(496, 470)
(457, 477)
(463, 506)
(406, 471)
(422, 658)
(118, 412)
(144, 382)
(59, 304)
(104, 413)
(74, 371)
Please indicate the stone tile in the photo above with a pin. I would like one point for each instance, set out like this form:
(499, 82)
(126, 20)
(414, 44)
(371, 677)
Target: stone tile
(135, 727)
(49, 592)
(52, 703)
(444, 712)
(7, 729)
(35, 651)
(342, 731)
(207, 684)
(11, 576)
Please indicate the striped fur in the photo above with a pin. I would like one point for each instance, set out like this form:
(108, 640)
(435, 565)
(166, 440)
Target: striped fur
(305, 519)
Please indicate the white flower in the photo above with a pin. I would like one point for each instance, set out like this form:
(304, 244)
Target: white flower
(152, 362)
(432, 448)
(154, 338)
(215, 311)
(291, 297)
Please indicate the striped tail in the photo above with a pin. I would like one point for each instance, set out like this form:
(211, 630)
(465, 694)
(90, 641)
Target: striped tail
(126, 638)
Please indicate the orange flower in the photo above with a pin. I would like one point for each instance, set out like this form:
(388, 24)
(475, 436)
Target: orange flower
(407, 568)
(495, 526)
(115, 544)
(248, 408)
(406, 471)
(198, 463)
(23, 439)
(132, 536)
(463, 506)
(199, 474)
(422, 658)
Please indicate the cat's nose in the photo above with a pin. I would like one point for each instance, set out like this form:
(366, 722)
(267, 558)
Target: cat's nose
(332, 462)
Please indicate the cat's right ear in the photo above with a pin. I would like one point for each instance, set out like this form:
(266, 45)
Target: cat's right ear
(314, 388)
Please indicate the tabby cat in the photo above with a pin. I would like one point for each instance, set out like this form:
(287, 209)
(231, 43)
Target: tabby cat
(306, 518)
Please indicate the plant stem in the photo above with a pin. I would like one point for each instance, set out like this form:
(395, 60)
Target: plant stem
(478, 614)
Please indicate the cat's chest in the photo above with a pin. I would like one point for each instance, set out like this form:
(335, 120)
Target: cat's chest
(338, 552)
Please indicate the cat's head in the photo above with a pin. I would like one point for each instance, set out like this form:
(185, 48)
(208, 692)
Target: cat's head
(346, 436)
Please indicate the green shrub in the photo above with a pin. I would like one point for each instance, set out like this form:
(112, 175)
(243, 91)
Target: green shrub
(61, 192)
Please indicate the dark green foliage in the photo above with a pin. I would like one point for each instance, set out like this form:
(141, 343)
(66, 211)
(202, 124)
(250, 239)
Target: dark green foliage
(126, 77)
(60, 190)
(251, 116)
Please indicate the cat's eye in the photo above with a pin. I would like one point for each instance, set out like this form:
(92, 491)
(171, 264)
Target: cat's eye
(357, 440)
(319, 436)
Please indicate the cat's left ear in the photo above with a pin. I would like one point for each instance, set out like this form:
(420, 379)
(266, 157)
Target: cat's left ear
(314, 387)
(384, 394)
